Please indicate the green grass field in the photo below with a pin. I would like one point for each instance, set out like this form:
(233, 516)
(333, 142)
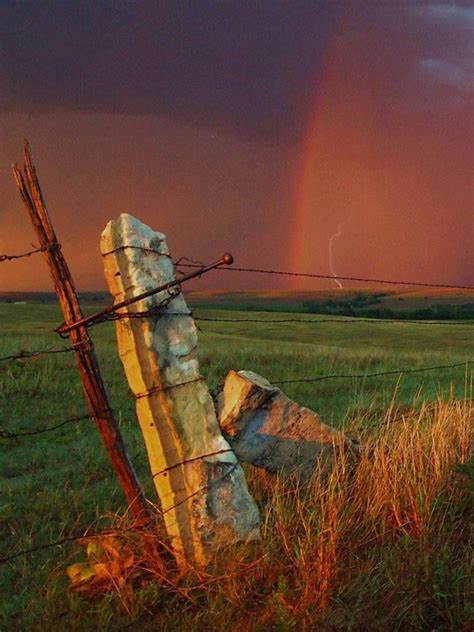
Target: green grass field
(60, 482)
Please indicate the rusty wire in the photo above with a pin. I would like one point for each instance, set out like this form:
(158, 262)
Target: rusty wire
(203, 489)
(105, 532)
(141, 248)
(317, 321)
(308, 275)
(71, 538)
(13, 435)
(25, 254)
(93, 319)
(379, 374)
(5, 434)
(162, 389)
(25, 354)
(191, 460)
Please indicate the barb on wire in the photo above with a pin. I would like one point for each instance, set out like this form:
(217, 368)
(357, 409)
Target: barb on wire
(25, 354)
(363, 376)
(154, 311)
(25, 254)
(309, 275)
(194, 262)
(5, 434)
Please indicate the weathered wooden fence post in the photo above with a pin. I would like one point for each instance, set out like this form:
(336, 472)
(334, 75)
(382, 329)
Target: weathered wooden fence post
(200, 484)
(93, 386)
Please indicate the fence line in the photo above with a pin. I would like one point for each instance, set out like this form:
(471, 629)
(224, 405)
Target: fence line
(185, 262)
(106, 532)
(4, 434)
(111, 314)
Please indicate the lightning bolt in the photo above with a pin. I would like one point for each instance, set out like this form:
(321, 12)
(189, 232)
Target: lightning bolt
(332, 239)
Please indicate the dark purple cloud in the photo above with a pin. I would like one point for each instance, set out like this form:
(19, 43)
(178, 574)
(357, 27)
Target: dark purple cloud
(243, 65)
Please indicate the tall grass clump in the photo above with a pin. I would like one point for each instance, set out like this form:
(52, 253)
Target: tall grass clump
(382, 542)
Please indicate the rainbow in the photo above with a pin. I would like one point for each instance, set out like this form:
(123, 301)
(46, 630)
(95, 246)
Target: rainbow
(332, 174)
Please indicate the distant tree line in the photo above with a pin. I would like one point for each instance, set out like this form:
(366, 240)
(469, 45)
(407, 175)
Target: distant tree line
(359, 307)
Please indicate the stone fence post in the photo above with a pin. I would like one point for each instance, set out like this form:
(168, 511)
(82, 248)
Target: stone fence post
(200, 484)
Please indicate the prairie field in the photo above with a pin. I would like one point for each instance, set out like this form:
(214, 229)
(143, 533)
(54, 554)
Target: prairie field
(381, 545)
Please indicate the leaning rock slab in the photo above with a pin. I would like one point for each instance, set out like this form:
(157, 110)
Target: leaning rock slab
(269, 430)
(200, 484)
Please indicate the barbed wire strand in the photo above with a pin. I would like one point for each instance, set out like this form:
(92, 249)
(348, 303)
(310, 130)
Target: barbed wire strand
(71, 538)
(379, 374)
(191, 460)
(203, 489)
(168, 387)
(25, 354)
(25, 254)
(5, 434)
(316, 321)
(105, 532)
(141, 248)
(156, 311)
(309, 275)
(14, 435)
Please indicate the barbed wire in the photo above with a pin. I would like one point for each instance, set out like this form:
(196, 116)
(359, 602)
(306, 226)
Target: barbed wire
(203, 489)
(5, 434)
(25, 354)
(367, 375)
(317, 321)
(309, 275)
(140, 248)
(157, 311)
(187, 260)
(106, 532)
(67, 539)
(172, 287)
(106, 316)
(21, 256)
(168, 387)
(191, 460)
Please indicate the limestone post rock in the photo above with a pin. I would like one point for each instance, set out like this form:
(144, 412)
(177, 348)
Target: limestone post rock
(204, 499)
(269, 430)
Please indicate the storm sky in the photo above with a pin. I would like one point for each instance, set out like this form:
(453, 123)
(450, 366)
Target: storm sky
(254, 127)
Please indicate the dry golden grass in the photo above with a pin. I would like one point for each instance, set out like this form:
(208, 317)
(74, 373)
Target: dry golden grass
(382, 543)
